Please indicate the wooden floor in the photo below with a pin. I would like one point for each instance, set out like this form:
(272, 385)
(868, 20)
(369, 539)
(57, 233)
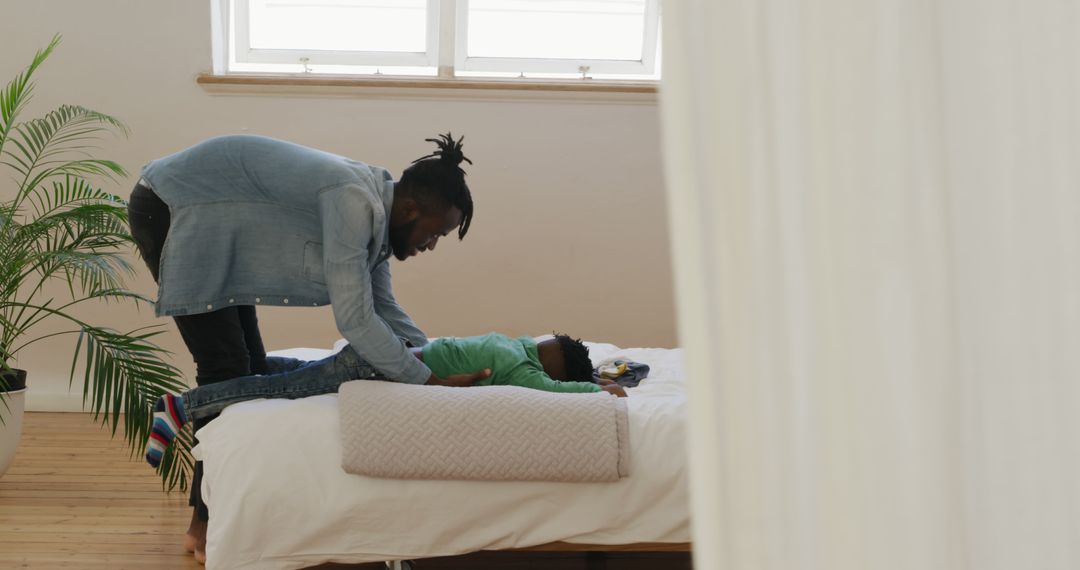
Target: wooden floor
(74, 499)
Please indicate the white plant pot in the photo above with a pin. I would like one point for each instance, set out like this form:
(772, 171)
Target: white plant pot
(11, 429)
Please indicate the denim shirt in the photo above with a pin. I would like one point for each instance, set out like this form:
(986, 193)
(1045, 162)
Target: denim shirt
(258, 221)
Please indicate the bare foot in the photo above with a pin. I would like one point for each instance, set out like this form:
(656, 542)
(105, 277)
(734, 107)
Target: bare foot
(192, 536)
(195, 539)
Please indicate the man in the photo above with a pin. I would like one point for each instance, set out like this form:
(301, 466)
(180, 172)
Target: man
(240, 221)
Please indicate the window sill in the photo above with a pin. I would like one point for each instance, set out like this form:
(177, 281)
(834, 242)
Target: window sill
(424, 87)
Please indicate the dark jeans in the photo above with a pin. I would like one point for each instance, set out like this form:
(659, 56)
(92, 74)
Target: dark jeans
(224, 344)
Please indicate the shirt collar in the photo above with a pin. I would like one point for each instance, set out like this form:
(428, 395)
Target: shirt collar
(388, 197)
(388, 203)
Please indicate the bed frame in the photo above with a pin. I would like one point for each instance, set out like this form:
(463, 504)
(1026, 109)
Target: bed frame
(636, 547)
(592, 563)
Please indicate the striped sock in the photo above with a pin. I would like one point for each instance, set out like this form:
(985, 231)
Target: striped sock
(169, 417)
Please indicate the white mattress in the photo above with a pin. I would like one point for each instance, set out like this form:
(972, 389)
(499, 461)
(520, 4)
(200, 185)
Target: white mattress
(279, 498)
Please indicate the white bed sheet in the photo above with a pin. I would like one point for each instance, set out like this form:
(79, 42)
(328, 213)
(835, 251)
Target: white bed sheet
(279, 499)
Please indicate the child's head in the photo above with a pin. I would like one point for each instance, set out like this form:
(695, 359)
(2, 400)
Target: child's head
(565, 358)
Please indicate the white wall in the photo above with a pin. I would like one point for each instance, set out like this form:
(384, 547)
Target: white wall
(570, 230)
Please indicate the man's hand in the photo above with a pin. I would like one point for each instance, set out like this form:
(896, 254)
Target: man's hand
(605, 382)
(614, 389)
(459, 379)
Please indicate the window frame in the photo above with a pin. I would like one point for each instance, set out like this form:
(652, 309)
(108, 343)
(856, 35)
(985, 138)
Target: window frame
(645, 66)
(446, 38)
(242, 52)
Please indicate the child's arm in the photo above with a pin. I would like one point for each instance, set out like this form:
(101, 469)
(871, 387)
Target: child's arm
(537, 380)
(614, 389)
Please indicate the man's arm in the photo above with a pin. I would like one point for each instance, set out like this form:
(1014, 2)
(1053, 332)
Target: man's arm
(387, 307)
(348, 218)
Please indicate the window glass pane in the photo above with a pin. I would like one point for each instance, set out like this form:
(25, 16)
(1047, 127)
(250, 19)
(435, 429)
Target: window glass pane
(587, 29)
(347, 25)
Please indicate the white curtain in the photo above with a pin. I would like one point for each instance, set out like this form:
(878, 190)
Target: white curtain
(875, 213)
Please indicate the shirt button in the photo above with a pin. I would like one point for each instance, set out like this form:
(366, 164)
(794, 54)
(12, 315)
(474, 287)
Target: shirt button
(258, 300)
(209, 306)
(286, 301)
(232, 300)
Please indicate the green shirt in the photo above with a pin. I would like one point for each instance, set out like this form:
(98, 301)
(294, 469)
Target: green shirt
(513, 362)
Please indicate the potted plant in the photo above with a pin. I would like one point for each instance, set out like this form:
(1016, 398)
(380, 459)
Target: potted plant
(58, 231)
(12, 400)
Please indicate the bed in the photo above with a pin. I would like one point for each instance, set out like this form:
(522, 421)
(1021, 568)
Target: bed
(279, 498)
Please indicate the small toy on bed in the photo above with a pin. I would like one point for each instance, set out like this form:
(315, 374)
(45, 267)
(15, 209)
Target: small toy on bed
(625, 373)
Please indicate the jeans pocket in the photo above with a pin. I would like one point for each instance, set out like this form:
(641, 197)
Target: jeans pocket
(146, 239)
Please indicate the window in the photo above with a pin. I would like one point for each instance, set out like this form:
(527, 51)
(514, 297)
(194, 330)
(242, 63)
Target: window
(615, 39)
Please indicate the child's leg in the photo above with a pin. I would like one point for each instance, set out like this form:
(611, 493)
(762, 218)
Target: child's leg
(308, 378)
(279, 364)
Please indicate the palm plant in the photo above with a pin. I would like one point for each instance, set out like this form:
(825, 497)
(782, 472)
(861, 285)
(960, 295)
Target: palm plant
(57, 228)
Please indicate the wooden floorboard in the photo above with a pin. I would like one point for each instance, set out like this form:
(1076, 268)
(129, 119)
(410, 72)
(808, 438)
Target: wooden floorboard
(74, 498)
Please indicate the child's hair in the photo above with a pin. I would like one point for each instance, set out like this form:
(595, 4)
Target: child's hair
(578, 366)
(439, 178)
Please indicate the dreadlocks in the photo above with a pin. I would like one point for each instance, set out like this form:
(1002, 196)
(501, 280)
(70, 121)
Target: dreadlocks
(439, 177)
(578, 366)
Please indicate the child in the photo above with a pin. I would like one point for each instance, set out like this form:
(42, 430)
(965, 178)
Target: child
(560, 364)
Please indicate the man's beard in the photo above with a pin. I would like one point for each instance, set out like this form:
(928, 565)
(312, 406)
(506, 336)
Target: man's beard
(399, 240)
